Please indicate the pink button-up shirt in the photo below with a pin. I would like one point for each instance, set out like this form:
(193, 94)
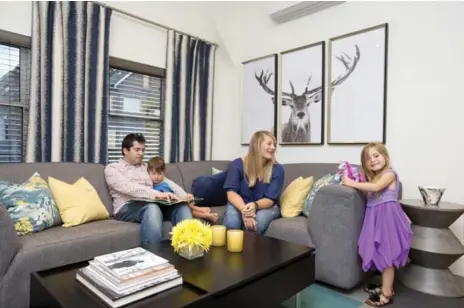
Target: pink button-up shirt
(127, 182)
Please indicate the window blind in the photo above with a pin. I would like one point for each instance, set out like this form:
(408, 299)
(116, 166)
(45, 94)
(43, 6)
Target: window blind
(15, 65)
(135, 107)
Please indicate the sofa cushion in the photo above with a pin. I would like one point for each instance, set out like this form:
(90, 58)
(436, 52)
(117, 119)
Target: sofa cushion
(172, 172)
(59, 246)
(294, 196)
(79, 203)
(31, 205)
(327, 179)
(9, 243)
(293, 230)
(210, 189)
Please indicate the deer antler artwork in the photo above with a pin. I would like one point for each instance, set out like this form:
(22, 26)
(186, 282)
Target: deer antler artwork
(298, 127)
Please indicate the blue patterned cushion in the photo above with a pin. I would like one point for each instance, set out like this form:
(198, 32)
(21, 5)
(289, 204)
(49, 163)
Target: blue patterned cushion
(31, 205)
(323, 181)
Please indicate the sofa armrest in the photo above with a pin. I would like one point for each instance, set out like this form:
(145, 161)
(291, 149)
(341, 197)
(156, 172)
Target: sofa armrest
(9, 241)
(334, 223)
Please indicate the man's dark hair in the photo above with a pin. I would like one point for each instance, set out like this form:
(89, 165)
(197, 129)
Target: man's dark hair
(128, 141)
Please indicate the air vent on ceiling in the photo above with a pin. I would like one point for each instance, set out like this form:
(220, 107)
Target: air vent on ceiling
(301, 9)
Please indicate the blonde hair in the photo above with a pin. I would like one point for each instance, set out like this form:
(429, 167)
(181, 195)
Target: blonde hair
(371, 176)
(254, 165)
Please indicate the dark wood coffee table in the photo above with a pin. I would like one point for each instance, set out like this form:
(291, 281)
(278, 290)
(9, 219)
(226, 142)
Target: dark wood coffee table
(267, 272)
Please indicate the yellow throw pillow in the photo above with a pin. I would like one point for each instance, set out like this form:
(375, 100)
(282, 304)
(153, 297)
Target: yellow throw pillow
(78, 203)
(293, 198)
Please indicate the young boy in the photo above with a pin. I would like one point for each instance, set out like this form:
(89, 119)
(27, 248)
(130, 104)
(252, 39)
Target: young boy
(156, 168)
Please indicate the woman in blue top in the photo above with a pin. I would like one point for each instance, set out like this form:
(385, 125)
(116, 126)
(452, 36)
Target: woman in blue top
(254, 184)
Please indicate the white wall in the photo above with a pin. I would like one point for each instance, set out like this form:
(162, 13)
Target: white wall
(425, 98)
(138, 41)
(130, 39)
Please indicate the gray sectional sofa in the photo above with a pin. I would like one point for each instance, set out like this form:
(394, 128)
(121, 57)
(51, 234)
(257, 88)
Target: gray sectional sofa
(332, 228)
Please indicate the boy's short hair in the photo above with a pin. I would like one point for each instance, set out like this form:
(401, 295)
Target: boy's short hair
(156, 164)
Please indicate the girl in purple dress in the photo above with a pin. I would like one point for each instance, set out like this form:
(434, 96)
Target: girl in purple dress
(386, 235)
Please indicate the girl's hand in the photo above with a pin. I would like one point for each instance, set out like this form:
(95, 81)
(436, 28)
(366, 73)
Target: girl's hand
(190, 198)
(348, 182)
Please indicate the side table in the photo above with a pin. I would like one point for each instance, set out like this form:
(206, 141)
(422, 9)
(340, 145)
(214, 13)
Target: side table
(434, 248)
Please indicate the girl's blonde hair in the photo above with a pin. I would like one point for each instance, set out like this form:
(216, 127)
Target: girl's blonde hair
(371, 176)
(254, 165)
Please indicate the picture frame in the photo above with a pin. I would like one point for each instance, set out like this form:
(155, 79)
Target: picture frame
(357, 87)
(259, 88)
(301, 113)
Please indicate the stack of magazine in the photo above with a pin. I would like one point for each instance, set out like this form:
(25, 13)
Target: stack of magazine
(127, 276)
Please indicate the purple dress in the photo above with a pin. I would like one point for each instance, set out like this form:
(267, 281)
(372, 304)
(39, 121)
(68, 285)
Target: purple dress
(386, 235)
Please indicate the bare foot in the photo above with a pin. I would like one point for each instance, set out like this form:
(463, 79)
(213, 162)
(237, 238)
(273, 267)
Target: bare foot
(211, 216)
(201, 209)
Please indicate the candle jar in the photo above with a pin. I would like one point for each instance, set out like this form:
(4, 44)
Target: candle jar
(235, 240)
(219, 235)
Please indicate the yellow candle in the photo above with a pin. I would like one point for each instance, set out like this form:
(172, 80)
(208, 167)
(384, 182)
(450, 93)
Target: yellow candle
(219, 235)
(235, 240)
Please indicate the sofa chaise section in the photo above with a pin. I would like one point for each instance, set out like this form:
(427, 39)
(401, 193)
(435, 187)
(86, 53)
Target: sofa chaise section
(57, 246)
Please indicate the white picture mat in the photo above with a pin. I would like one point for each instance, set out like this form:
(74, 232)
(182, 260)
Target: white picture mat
(258, 109)
(297, 66)
(357, 105)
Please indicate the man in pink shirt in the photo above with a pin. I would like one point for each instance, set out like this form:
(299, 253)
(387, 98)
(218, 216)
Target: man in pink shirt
(128, 180)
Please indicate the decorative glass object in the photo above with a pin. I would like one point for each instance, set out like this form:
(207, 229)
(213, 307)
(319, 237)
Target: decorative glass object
(190, 254)
(431, 195)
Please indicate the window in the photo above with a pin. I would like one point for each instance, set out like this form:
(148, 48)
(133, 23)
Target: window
(15, 63)
(136, 102)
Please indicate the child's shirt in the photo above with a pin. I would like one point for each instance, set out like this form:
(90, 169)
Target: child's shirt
(169, 186)
(163, 187)
(386, 195)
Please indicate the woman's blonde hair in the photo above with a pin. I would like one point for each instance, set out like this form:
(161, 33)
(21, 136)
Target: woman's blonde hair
(371, 176)
(254, 165)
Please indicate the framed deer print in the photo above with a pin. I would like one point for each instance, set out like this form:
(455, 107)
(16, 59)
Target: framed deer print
(357, 74)
(301, 110)
(259, 85)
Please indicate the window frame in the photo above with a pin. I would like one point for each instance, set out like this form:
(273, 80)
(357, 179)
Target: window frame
(22, 43)
(144, 69)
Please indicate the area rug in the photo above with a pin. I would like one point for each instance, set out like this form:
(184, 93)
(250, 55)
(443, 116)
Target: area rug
(318, 296)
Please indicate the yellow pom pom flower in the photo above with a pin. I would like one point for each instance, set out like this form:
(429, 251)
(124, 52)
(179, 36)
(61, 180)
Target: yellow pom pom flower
(190, 233)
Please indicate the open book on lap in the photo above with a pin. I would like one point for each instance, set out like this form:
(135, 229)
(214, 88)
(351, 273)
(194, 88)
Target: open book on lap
(165, 202)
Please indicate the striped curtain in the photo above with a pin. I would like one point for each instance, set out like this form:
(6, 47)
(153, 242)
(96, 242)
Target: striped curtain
(69, 82)
(189, 99)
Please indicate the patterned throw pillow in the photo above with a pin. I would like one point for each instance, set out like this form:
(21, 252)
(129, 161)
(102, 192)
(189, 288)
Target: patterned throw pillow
(31, 205)
(215, 171)
(327, 179)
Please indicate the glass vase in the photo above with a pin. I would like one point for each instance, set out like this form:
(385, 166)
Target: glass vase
(190, 254)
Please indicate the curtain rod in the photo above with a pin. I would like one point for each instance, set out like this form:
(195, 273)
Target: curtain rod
(151, 22)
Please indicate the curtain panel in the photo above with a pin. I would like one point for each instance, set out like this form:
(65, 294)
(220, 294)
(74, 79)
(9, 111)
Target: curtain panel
(189, 99)
(69, 82)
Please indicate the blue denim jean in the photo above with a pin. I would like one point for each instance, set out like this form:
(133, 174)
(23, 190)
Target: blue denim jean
(150, 216)
(233, 218)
